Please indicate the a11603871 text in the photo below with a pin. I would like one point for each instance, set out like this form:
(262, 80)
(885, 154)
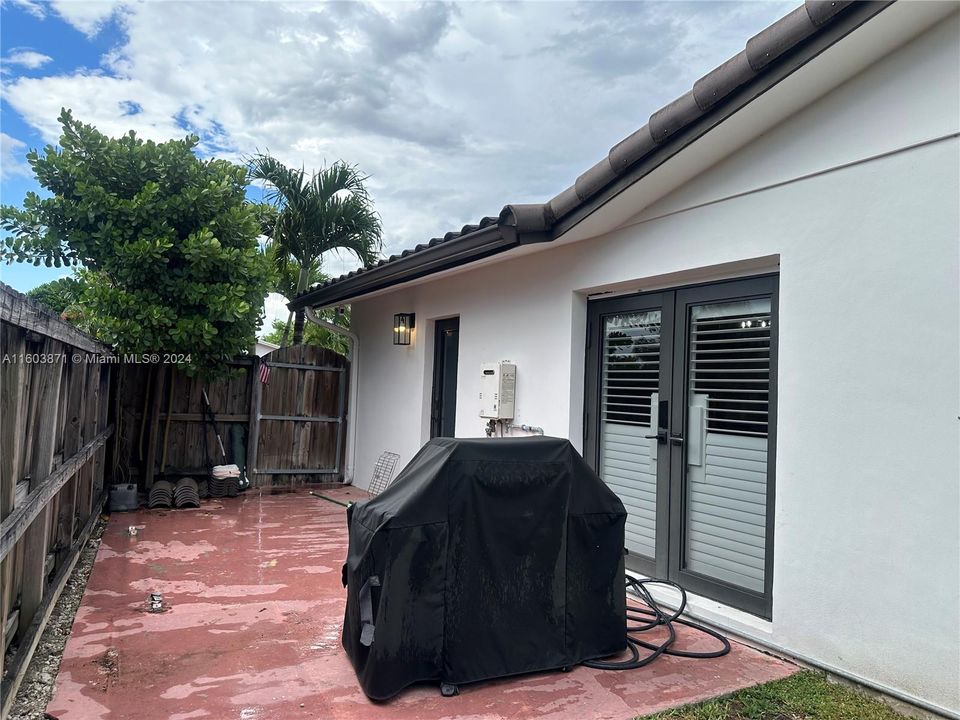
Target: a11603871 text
(95, 358)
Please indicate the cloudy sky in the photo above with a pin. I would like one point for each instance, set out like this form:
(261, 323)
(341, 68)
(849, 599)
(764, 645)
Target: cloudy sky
(453, 109)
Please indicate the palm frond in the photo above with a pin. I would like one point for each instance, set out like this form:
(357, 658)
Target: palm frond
(336, 179)
(330, 212)
(286, 186)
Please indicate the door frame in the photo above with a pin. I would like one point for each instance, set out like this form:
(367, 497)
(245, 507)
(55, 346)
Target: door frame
(438, 392)
(674, 304)
(596, 311)
(755, 287)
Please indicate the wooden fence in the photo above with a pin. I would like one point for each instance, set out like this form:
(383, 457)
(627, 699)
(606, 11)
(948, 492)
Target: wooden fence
(55, 432)
(287, 432)
(63, 394)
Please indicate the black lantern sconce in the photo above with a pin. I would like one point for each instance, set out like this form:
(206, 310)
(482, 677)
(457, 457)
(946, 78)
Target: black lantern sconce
(403, 325)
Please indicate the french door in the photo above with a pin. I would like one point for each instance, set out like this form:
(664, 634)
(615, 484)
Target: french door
(680, 423)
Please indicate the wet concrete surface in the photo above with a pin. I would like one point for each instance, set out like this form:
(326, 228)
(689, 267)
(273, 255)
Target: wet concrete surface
(251, 623)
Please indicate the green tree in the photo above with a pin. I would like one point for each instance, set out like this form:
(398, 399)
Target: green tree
(330, 210)
(168, 242)
(314, 334)
(59, 295)
(266, 215)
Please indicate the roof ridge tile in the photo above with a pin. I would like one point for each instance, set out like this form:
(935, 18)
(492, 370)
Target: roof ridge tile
(822, 11)
(674, 116)
(631, 149)
(771, 42)
(722, 80)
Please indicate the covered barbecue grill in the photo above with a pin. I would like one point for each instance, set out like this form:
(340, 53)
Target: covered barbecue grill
(485, 558)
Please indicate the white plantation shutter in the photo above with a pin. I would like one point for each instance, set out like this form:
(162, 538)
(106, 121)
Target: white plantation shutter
(727, 441)
(630, 375)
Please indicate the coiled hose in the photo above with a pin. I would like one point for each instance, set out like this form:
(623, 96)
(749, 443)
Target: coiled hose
(650, 615)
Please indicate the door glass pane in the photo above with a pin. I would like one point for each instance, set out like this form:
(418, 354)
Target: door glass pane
(630, 376)
(443, 413)
(726, 449)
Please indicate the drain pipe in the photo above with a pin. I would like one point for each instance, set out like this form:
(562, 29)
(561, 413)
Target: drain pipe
(351, 452)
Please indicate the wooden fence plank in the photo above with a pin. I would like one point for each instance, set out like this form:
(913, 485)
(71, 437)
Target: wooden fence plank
(77, 387)
(31, 633)
(159, 373)
(17, 309)
(12, 409)
(35, 538)
(103, 421)
(16, 524)
(96, 423)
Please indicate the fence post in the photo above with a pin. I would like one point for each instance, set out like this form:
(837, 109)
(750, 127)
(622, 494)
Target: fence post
(253, 423)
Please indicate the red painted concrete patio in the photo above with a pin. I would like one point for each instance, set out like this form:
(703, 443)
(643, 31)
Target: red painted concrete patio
(253, 632)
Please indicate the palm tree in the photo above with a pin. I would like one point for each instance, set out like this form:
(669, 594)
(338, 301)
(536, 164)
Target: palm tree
(287, 278)
(327, 211)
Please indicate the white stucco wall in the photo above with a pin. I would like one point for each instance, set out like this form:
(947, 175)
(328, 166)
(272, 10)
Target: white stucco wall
(864, 225)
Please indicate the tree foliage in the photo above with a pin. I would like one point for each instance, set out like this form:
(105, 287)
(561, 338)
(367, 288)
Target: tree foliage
(59, 295)
(168, 241)
(286, 279)
(286, 275)
(329, 210)
(314, 334)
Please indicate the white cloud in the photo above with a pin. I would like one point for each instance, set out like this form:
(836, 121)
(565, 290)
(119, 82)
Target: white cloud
(12, 162)
(30, 59)
(88, 16)
(97, 98)
(454, 110)
(274, 308)
(33, 7)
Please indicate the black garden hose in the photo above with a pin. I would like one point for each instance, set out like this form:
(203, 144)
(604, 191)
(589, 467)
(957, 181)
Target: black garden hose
(329, 499)
(651, 616)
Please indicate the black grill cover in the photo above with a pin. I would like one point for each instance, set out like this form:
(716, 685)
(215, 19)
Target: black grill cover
(485, 558)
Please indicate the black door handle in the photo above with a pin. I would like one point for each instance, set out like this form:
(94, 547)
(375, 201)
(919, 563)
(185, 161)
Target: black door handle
(661, 437)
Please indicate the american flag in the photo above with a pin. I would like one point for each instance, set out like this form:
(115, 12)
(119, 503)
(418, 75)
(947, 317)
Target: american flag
(264, 372)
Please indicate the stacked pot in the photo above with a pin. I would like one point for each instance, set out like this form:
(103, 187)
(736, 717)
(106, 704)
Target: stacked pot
(161, 495)
(224, 481)
(164, 494)
(187, 493)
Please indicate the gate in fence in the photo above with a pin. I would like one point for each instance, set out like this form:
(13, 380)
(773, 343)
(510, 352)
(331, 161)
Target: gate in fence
(298, 416)
(288, 430)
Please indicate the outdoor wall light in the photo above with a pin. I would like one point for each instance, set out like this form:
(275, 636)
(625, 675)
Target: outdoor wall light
(403, 325)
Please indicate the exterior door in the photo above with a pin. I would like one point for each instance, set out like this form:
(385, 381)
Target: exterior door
(443, 409)
(681, 393)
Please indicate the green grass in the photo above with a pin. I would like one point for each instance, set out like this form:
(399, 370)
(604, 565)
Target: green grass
(804, 696)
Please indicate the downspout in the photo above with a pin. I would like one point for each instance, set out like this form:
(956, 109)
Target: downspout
(351, 451)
